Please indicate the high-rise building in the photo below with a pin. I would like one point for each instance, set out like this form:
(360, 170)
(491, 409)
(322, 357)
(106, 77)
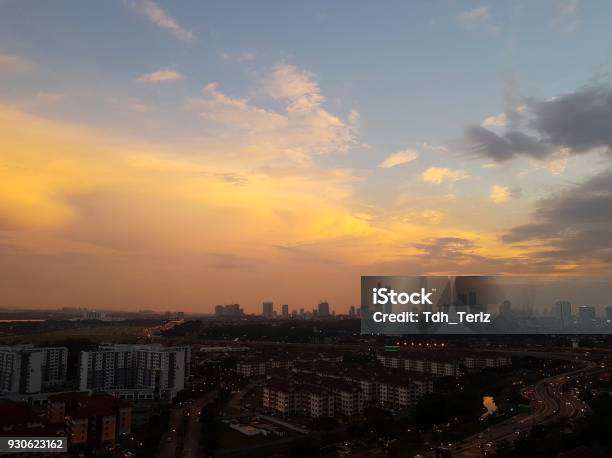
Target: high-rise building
(230, 310)
(285, 309)
(135, 371)
(563, 312)
(268, 309)
(352, 311)
(25, 369)
(586, 314)
(323, 310)
(505, 308)
(609, 313)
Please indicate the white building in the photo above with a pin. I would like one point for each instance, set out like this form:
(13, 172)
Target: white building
(135, 371)
(25, 369)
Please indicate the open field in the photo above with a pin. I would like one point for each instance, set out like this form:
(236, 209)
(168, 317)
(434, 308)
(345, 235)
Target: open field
(94, 333)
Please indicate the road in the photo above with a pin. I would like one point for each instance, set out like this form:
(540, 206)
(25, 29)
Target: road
(183, 438)
(551, 402)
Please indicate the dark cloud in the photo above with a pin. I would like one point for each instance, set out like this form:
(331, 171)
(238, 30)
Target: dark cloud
(579, 121)
(486, 143)
(575, 224)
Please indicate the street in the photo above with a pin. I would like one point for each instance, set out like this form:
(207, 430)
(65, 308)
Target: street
(184, 431)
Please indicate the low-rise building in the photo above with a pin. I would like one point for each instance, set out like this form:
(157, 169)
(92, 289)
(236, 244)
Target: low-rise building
(95, 420)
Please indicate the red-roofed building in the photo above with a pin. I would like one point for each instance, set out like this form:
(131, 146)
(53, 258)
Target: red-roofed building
(95, 420)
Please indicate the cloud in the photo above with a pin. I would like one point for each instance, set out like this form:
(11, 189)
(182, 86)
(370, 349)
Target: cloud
(439, 175)
(436, 148)
(579, 121)
(447, 247)
(567, 15)
(297, 86)
(70, 180)
(160, 76)
(574, 224)
(477, 19)
(14, 63)
(500, 194)
(557, 161)
(485, 143)
(553, 129)
(236, 113)
(398, 158)
(246, 56)
(495, 121)
(301, 129)
(157, 16)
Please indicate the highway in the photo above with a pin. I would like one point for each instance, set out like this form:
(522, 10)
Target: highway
(550, 402)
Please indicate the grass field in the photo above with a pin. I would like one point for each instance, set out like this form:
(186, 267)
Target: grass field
(96, 334)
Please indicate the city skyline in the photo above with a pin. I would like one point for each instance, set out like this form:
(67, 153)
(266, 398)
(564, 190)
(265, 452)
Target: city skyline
(198, 155)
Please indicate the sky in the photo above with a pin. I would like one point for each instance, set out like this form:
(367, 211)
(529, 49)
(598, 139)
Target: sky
(178, 155)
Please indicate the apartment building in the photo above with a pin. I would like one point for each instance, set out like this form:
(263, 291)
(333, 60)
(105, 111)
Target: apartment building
(387, 386)
(25, 369)
(398, 392)
(251, 367)
(290, 398)
(481, 361)
(135, 371)
(324, 389)
(262, 364)
(442, 363)
(95, 420)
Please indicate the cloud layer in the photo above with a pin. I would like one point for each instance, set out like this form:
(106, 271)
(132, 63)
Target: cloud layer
(573, 225)
(157, 16)
(576, 123)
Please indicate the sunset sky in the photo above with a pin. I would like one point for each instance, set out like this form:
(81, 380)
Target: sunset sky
(177, 155)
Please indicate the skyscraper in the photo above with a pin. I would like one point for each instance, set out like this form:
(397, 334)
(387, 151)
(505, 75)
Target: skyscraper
(285, 309)
(586, 314)
(268, 309)
(505, 308)
(563, 312)
(323, 310)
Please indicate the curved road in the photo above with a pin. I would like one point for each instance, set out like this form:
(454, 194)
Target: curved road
(551, 402)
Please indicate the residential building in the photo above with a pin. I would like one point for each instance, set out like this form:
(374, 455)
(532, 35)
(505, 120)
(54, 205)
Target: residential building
(95, 420)
(25, 369)
(135, 371)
